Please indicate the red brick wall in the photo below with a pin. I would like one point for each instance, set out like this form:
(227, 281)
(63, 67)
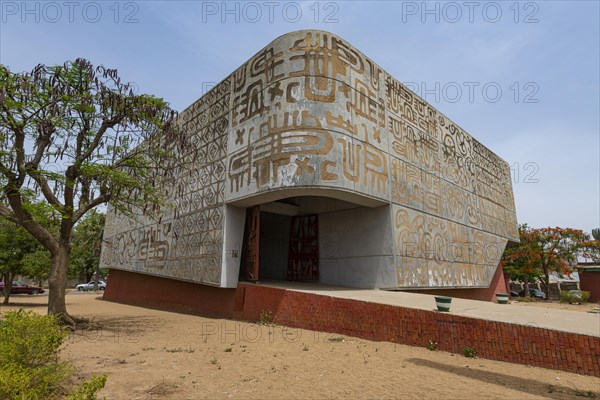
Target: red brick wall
(493, 340)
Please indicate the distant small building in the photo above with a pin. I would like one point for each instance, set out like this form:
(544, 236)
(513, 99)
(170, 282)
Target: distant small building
(589, 279)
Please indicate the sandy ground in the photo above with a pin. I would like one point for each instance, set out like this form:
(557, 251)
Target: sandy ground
(557, 305)
(150, 354)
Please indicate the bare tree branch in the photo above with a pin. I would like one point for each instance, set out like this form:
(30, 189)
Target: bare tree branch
(103, 198)
(106, 124)
(8, 214)
(45, 188)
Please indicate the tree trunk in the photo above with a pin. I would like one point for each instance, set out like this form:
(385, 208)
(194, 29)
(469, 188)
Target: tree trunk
(98, 272)
(546, 285)
(7, 277)
(57, 283)
(526, 285)
(96, 278)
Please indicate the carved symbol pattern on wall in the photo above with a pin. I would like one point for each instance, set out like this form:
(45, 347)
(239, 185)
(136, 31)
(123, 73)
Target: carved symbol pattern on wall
(187, 242)
(309, 109)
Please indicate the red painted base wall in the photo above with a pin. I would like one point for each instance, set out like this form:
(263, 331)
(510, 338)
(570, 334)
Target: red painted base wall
(493, 340)
(590, 281)
(168, 294)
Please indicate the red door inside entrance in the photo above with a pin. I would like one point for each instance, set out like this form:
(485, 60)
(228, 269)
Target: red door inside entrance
(303, 255)
(252, 242)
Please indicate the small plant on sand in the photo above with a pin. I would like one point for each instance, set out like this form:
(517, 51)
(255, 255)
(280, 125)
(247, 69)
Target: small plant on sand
(228, 350)
(337, 339)
(525, 299)
(432, 345)
(574, 296)
(305, 348)
(89, 388)
(266, 317)
(213, 360)
(469, 352)
(585, 393)
(179, 350)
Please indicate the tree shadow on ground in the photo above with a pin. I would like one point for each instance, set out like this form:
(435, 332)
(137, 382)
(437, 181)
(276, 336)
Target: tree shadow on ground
(522, 384)
(23, 304)
(123, 328)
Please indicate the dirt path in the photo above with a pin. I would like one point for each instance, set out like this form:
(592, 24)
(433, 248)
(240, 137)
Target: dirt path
(152, 354)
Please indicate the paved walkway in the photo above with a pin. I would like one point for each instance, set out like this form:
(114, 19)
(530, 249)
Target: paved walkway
(561, 320)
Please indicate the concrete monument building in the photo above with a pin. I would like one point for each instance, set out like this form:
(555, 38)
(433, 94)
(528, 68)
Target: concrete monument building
(311, 163)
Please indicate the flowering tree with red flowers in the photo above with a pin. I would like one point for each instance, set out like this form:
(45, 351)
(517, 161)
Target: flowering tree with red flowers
(544, 250)
(558, 250)
(521, 260)
(591, 248)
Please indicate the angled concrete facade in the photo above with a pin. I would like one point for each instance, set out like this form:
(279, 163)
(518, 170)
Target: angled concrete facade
(309, 125)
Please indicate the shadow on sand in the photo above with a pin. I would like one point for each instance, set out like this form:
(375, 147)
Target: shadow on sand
(21, 303)
(118, 328)
(522, 384)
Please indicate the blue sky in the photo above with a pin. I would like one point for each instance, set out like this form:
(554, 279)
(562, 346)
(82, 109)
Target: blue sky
(521, 77)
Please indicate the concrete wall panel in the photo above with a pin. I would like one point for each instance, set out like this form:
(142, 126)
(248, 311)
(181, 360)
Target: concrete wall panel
(356, 248)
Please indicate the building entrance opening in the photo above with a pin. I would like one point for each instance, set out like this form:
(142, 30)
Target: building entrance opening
(280, 247)
(281, 238)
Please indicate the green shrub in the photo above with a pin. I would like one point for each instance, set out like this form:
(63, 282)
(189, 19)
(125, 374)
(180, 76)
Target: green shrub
(266, 317)
(469, 352)
(29, 364)
(29, 339)
(88, 389)
(41, 383)
(432, 345)
(574, 296)
(525, 299)
(565, 296)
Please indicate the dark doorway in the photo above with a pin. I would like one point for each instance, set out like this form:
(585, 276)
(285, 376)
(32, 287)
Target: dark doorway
(281, 238)
(274, 245)
(303, 254)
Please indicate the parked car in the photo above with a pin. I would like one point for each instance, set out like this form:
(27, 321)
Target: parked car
(90, 286)
(534, 293)
(22, 288)
(514, 293)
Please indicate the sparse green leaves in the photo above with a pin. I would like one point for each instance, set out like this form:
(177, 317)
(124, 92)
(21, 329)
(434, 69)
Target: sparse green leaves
(78, 136)
(87, 242)
(83, 119)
